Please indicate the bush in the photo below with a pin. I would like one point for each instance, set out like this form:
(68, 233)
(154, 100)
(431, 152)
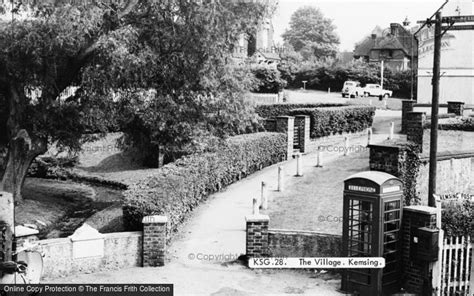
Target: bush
(464, 124)
(457, 218)
(51, 167)
(269, 80)
(274, 110)
(177, 188)
(336, 120)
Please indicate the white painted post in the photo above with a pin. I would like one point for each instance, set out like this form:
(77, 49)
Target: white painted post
(436, 266)
(318, 158)
(370, 102)
(471, 282)
(346, 145)
(392, 129)
(264, 196)
(256, 210)
(369, 135)
(280, 179)
(329, 90)
(299, 165)
(385, 102)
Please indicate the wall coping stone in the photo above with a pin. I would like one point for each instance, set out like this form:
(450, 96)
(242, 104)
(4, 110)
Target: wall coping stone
(303, 232)
(447, 155)
(155, 219)
(421, 209)
(257, 218)
(21, 231)
(86, 233)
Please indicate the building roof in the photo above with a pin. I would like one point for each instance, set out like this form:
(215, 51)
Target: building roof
(402, 41)
(270, 55)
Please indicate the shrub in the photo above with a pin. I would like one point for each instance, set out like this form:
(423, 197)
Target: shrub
(177, 188)
(336, 120)
(51, 167)
(269, 80)
(464, 124)
(457, 218)
(273, 110)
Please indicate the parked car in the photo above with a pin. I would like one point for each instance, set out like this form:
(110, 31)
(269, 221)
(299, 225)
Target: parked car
(352, 89)
(375, 90)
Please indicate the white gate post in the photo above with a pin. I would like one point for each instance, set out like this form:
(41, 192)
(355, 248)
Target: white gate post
(437, 265)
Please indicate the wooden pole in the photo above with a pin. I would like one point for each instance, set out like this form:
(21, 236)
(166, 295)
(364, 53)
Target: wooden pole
(434, 112)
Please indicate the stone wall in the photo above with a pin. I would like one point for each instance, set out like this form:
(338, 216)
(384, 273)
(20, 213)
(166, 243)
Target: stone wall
(289, 243)
(120, 250)
(387, 158)
(454, 175)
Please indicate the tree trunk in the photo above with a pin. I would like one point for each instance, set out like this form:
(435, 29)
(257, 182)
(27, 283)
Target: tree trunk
(6, 226)
(21, 152)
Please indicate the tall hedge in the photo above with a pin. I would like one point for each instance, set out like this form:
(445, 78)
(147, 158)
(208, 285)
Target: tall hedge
(273, 110)
(336, 120)
(177, 188)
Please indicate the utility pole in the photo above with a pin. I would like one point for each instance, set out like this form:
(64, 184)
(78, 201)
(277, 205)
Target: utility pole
(435, 111)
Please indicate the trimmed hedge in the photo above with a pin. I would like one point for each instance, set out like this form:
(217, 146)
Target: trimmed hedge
(274, 110)
(336, 120)
(177, 188)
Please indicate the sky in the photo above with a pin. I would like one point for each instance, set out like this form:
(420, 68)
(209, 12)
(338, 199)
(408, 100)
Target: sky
(355, 19)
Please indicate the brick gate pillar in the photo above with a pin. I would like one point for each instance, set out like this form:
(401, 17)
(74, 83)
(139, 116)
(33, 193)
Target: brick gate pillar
(415, 124)
(303, 121)
(257, 236)
(286, 124)
(407, 106)
(154, 240)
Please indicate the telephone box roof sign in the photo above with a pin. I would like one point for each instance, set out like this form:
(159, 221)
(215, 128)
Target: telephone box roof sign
(379, 178)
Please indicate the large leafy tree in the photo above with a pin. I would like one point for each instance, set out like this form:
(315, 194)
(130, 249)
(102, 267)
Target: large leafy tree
(177, 47)
(312, 34)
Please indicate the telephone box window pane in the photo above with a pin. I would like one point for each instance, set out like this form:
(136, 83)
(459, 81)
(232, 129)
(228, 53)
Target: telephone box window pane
(390, 237)
(392, 216)
(389, 226)
(393, 205)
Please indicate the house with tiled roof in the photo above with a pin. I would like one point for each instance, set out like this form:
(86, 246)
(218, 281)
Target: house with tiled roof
(395, 46)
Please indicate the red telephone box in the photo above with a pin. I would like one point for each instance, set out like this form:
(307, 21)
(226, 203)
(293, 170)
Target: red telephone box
(372, 216)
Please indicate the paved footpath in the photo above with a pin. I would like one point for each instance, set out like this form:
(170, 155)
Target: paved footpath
(217, 227)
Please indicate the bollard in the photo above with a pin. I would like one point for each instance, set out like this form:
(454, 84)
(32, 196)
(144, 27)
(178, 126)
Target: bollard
(255, 206)
(370, 102)
(280, 179)
(346, 145)
(392, 128)
(329, 90)
(299, 165)
(264, 197)
(385, 103)
(318, 158)
(369, 135)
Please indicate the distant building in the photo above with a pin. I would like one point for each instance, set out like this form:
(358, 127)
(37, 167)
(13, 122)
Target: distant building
(457, 60)
(259, 46)
(395, 46)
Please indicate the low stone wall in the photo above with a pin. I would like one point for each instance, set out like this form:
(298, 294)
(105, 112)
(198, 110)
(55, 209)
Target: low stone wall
(290, 243)
(120, 250)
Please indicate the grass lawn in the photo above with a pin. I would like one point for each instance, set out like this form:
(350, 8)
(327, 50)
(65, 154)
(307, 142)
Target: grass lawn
(314, 202)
